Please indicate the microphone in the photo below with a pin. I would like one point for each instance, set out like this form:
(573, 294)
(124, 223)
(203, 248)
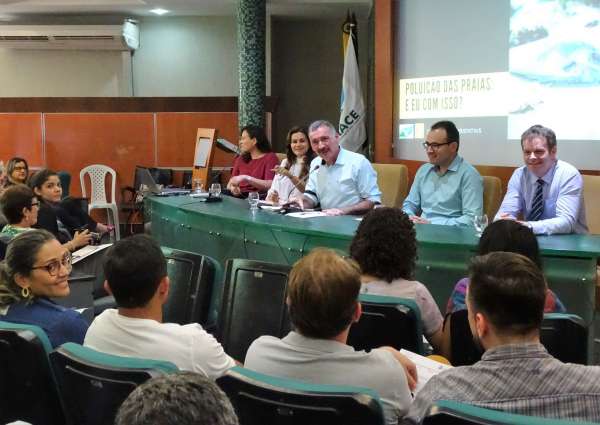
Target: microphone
(303, 179)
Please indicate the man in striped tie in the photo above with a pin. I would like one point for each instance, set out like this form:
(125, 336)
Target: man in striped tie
(546, 194)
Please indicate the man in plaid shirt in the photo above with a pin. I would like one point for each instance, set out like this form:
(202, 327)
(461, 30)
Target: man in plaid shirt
(505, 301)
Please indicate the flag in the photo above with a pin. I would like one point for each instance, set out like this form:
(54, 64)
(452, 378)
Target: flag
(352, 107)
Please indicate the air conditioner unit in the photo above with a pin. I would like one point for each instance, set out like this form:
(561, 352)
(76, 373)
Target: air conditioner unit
(71, 37)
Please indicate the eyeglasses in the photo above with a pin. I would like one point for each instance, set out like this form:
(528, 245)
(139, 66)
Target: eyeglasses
(35, 204)
(434, 146)
(54, 267)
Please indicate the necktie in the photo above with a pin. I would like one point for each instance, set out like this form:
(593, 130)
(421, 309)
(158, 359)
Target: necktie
(537, 205)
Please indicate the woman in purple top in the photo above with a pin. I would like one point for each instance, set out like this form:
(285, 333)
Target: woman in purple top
(36, 269)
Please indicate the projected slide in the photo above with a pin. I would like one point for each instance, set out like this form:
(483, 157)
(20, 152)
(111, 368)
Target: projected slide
(496, 67)
(554, 63)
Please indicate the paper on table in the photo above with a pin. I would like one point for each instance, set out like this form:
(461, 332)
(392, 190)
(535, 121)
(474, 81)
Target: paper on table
(307, 214)
(86, 251)
(266, 207)
(426, 368)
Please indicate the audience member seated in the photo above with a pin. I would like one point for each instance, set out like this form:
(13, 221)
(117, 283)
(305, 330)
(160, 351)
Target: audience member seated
(253, 169)
(136, 275)
(56, 216)
(20, 207)
(36, 268)
(291, 174)
(184, 398)
(508, 236)
(505, 301)
(389, 271)
(17, 172)
(323, 303)
(340, 182)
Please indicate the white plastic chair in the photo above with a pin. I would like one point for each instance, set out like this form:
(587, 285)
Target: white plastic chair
(98, 199)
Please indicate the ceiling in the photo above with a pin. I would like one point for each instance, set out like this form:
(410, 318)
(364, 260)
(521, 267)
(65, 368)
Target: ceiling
(22, 10)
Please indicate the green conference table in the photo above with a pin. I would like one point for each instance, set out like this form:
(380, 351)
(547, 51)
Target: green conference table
(229, 229)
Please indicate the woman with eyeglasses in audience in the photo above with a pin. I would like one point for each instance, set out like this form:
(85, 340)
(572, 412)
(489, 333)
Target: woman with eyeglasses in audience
(17, 172)
(36, 269)
(20, 207)
(291, 174)
(253, 169)
(63, 218)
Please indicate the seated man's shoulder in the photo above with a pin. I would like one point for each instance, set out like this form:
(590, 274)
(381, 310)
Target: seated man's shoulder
(470, 168)
(567, 167)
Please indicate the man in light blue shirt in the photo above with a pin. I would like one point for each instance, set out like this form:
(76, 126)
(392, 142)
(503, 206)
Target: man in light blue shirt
(448, 190)
(545, 194)
(340, 181)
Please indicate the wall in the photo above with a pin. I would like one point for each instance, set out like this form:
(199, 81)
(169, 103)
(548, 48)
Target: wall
(307, 67)
(42, 73)
(179, 56)
(186, 56)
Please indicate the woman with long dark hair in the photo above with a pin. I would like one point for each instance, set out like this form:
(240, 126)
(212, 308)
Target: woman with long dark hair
(62, 218)
(36, 268)
(291, 174)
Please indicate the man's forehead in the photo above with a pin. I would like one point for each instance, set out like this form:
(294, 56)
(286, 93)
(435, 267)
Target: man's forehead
(536, 141)
(439, 134)
(321, 132)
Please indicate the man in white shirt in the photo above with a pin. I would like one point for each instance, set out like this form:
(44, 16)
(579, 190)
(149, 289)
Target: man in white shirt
(339, 181)
(136, 275)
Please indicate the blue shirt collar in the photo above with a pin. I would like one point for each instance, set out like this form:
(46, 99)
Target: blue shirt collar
(454, 165)
(532, 178)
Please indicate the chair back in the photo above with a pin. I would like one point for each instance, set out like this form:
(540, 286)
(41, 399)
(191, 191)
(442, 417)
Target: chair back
(392, 180)
(261, 399)
(92, 385)
(565, 336)
(253, 304)
(591, 195)
(492, 195)
(27, 389)
(3, 246)
(98, 174)
(65, 182)
(192, 277)
(387, 321)
(445, 412)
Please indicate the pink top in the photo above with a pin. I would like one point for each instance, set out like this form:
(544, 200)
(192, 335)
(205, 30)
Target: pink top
(258, 168)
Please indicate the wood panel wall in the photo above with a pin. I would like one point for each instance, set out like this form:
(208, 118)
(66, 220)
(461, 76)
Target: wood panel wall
(71, 133)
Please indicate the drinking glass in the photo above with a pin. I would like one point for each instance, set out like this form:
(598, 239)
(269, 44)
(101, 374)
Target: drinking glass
(197, 186)
(215, 190)
(480, 222)
(253, 199)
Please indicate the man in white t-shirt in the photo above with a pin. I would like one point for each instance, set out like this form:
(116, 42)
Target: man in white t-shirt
(136, 275)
